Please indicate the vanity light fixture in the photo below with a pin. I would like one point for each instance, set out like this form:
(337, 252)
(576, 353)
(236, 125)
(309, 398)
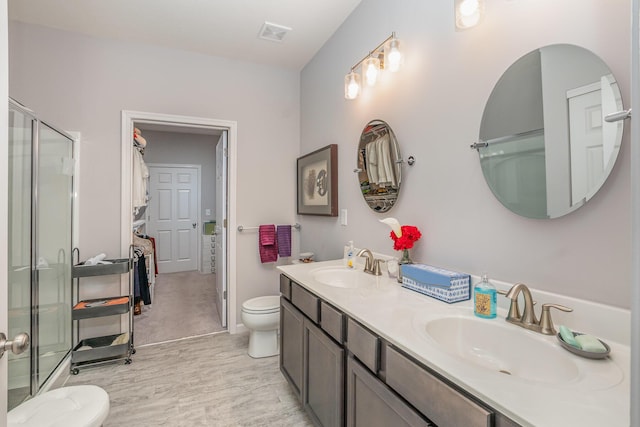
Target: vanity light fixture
(386, 56)
(468, 13)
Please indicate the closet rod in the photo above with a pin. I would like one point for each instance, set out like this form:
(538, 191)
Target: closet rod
(242, 228)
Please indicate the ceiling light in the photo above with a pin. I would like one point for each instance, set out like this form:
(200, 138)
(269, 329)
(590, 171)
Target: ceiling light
(387, 55)
(468, 13)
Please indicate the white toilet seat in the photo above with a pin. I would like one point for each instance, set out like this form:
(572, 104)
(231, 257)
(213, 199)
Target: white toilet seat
(262, 305)
(74, 406)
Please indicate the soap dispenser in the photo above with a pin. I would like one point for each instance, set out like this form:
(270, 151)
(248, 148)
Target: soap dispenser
(350, 260)
(485, 299)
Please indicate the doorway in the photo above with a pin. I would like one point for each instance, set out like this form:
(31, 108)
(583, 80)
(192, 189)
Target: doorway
(224, 243)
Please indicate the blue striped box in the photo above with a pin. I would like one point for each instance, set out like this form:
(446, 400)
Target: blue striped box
(444, 285)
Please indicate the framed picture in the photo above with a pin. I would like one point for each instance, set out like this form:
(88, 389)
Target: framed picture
(318, 182)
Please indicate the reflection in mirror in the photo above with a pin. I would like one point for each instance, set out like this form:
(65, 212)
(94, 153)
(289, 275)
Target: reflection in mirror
(379, 166)
(548, 149)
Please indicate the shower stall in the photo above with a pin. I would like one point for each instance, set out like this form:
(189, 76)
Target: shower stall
(41, 168)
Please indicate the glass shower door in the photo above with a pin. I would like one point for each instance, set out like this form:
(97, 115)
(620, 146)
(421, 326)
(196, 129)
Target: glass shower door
(21, 128)
(52, 258)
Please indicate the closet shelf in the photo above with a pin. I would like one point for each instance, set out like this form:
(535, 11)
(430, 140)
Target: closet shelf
(101, 307)
(117, 266)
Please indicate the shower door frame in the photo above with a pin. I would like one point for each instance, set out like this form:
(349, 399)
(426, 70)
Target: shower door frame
(35, 375)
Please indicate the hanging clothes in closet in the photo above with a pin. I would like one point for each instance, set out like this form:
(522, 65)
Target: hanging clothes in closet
(140, 173)
(142, 252)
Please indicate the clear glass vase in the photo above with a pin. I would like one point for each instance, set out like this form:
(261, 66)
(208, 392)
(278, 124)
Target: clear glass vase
(406, 259)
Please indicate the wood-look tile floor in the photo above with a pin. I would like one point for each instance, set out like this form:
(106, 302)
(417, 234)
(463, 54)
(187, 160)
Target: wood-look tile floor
(202, 381)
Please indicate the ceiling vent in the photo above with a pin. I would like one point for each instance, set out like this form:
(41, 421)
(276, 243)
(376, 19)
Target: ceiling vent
(273, 32)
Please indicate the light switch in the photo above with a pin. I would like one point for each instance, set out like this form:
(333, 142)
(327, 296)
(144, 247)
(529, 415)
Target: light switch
(207, 211)
(343, 217)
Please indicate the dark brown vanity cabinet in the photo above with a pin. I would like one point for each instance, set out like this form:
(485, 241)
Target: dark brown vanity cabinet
(345, 374)
(371, 403)
(291, 348)
(323, 384)
(310, 359)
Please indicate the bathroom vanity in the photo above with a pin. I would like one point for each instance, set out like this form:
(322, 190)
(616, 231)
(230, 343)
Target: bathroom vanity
(359, 350)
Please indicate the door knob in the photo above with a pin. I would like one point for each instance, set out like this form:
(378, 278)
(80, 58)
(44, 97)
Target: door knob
(19, 344)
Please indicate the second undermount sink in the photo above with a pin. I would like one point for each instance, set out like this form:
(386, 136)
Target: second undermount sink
(503, 348)
(342, 277)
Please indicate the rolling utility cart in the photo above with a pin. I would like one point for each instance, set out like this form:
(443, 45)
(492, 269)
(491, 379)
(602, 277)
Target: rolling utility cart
(109, 348)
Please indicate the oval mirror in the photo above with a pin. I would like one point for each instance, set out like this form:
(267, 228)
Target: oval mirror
(548, 148)
(379, 166)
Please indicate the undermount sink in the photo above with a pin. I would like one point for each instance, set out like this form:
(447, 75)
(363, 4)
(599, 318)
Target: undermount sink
(343, 277)
(503, 348)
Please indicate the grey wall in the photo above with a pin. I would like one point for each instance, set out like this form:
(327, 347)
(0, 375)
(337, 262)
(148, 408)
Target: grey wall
(187, 149)
(434, 105)
(82, 83)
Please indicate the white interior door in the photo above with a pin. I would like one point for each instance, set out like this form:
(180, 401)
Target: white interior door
(172, 216)
(585, 140)
(220, 229)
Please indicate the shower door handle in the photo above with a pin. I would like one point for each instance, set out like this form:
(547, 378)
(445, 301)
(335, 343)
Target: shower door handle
(19, 344)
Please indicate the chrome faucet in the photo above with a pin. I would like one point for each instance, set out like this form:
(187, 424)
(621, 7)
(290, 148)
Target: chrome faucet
(371, 265)
(528, 318)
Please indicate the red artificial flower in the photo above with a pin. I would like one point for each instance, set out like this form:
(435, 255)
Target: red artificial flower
(410, 234)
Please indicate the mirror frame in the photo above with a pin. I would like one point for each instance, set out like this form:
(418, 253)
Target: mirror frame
(387, 191)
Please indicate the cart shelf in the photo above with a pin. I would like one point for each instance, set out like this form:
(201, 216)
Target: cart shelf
(101, 307)
(116, 266)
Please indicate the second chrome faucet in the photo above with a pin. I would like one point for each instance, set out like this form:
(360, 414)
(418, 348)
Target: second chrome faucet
(528, 318)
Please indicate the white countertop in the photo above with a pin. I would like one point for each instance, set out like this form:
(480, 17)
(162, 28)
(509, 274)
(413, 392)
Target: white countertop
(601, 397)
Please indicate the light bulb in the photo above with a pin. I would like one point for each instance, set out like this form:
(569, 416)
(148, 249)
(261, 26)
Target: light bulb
(393, 58)
(371, 69)
(469, 7)
(351, 85)
(468, 13)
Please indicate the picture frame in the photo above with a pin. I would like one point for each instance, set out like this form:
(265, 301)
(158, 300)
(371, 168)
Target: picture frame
(318, 182)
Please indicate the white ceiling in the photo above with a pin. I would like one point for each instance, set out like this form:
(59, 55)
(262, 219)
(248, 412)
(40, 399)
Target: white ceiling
(227, 28)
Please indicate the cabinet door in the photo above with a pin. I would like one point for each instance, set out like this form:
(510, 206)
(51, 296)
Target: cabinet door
(323, 390)
(370, 403)
(291, 348)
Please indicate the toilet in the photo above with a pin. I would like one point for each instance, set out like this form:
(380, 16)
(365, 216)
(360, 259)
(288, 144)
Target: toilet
(261, 316)
(74, 406)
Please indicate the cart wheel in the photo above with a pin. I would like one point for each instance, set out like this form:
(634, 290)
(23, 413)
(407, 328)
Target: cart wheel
(75, 371)
(133, 351)
(127, 361)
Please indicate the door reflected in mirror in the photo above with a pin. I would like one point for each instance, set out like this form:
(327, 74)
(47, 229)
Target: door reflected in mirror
(379, 166)
(548, 148)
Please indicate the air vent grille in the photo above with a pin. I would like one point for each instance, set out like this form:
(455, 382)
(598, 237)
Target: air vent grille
(273, 32)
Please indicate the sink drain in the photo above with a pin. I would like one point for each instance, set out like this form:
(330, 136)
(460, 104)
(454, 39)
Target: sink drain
(504, 371)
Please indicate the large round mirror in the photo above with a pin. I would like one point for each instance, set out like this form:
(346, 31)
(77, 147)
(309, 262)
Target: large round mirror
(545, 148)
(379, 166)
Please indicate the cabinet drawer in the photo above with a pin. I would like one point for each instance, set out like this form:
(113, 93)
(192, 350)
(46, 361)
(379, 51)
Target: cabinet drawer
(332, 322)
(363, 344)
(285, 287)
(307, 302)
(435, 399)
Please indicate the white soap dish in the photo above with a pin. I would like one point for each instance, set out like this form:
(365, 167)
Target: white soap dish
(583, 353)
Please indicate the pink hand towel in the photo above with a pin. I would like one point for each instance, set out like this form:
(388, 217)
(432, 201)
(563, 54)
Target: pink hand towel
(267, 244)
